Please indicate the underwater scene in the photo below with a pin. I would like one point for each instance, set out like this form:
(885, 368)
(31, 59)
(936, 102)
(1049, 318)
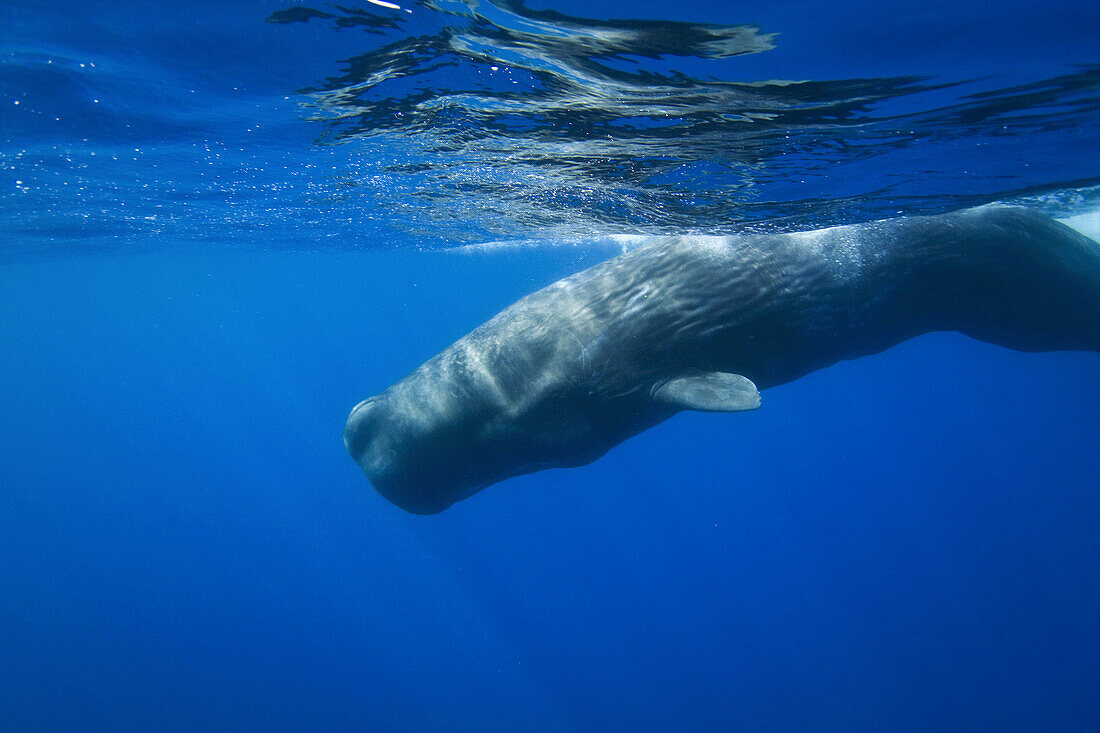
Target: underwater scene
(545, 365)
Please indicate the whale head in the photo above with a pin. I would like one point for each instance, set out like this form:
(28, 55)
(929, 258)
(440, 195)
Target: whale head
(430, 441)
(421, 456)
(445, 432)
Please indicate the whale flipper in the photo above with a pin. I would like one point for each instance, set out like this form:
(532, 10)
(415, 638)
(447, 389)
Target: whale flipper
(709, 392)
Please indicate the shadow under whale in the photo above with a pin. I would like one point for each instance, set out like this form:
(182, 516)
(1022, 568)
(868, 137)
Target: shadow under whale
(565, 374)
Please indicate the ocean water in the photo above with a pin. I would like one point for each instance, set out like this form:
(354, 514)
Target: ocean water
(224, 224)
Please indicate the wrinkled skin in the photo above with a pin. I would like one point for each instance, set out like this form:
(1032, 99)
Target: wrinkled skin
(566, 373)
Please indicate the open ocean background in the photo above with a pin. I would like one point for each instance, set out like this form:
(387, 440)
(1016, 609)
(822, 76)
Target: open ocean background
(223, 224)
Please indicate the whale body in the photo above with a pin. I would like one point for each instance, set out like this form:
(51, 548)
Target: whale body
(703, 323)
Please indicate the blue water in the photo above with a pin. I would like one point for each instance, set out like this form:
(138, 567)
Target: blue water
(224, 224)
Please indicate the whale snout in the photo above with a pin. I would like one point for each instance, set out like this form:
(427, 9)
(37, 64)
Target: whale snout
(415, 459)
(353, 433)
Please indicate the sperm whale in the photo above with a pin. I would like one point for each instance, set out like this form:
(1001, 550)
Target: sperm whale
(704, 323)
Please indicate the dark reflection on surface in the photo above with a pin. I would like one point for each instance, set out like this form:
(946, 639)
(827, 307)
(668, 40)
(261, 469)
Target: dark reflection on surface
(348, 18)
(509, 119)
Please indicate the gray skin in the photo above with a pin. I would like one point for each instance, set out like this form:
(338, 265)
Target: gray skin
(565, 374)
